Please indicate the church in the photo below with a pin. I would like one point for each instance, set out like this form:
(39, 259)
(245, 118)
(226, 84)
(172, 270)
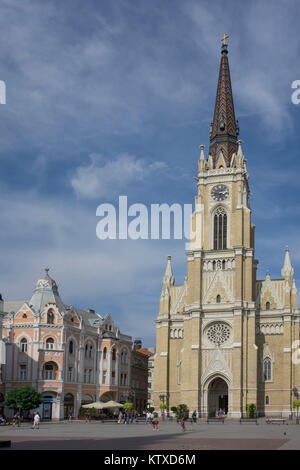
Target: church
(225, 339)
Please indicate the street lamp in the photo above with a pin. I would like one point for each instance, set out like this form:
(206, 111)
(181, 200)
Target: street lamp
(166, 397)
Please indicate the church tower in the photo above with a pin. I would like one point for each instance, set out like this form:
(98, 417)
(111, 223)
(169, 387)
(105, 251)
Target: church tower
(209, 337)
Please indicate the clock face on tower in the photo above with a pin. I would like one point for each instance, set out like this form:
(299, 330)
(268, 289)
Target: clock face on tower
(219, 192)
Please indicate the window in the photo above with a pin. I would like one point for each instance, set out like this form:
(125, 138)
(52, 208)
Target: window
(23, 345)
(86, 351)
(70, 374)
(104, 353)
(50, 317)
(223, 264)
(267, 305)
(71, 347)
(104, 377)
(49, 372)
(88, 376)
(113, 377)
(267, 400)
(23, 372)
(267, 369)
(220, 229)
(113, 354)
(49, 343)
(218, 299)
(91, 352)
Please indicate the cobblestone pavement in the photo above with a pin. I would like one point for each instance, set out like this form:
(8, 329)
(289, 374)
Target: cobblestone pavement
(111, 436)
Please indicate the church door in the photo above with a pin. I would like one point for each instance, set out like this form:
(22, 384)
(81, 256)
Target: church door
(217, 396)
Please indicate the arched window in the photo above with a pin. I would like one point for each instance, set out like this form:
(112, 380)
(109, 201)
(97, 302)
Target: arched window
(114, 354)
(267, 369)
(223, 264)
(49, 343)
(220, 229)
(267, 400)
(50, 317)
(218, 299)
(214, 265)
(23, 345)
(104, 353)
(90, 352)
(267, 305)
(71, 347)
(86, 351)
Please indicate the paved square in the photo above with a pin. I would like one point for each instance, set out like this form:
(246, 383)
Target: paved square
(111, 436)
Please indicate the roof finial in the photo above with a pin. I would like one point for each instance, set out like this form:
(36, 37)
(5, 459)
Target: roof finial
(47, 270)
(226, 36)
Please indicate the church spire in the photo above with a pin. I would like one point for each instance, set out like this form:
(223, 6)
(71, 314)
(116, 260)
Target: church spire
(168, 277)
(224, 128)
(287, 270)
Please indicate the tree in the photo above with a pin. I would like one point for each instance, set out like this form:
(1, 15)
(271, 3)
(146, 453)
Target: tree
(128, 406)
(23, 398)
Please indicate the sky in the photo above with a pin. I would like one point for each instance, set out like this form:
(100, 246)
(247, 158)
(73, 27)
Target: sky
(110, 98)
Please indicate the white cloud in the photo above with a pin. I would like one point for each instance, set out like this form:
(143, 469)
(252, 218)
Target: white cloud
(106, 179)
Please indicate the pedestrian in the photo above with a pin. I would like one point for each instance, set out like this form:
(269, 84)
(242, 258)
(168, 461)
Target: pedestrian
(194, 417)
(120, 417)
(70, 416)
(87, 416)
(182, 423)
(17, 419)
(155, 424)
(217, 414)
(148, 417)
(36, 421)
(220, 413)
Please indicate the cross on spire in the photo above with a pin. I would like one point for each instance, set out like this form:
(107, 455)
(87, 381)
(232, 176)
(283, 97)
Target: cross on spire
(226, 36)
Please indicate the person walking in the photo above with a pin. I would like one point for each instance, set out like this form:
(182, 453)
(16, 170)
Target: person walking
(182, 423)
(120, 417)
(36, 421)
(194, 417)
(148, 417)
(87, 416)
(155, 424)
(70, 416)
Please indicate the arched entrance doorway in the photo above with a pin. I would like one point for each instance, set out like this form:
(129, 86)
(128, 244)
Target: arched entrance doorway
(217, 396)
(68, 405)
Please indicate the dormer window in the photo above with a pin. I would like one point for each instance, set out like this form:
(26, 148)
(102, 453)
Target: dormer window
(50, 317)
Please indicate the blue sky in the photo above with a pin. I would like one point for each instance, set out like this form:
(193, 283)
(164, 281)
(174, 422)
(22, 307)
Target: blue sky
(114, 97)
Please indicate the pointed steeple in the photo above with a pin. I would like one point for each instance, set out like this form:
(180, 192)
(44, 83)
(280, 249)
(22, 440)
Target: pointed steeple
(224, 128)
(287, 270)
(168, 277)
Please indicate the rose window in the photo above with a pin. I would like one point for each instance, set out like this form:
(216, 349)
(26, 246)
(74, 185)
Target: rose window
(218, 333)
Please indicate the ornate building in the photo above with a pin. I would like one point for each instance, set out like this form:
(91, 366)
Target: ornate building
(223, 338)
(71, 356)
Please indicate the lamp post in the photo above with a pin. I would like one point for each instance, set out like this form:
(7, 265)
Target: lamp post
(166, 397)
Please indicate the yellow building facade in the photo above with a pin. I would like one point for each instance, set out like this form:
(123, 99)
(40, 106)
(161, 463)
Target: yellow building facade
(225, 339)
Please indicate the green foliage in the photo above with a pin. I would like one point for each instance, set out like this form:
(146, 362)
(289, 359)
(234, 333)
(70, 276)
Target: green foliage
(128, 406)
(24, 398)
(82, 411)
(296, 403)
(174, 409)
(92, 411)
(151, 409)
(163, 406)
(251, 410)
(182, 410)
